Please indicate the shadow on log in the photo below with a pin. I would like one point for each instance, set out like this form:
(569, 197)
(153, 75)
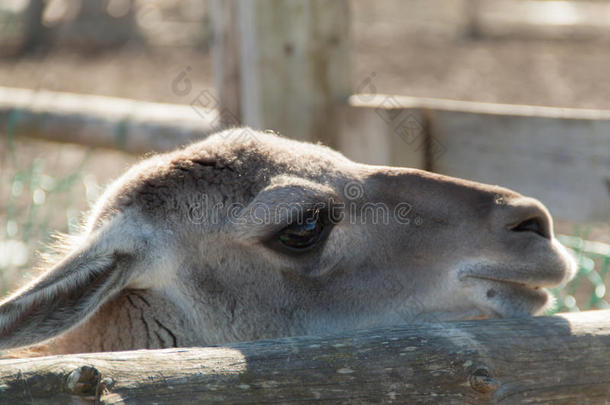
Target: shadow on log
(559, 359)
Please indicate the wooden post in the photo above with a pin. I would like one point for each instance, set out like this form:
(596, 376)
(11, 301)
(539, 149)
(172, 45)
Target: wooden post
(293, 64)
(34, 32)
(93, 27)
(560, 359)
(225, 52)
(473, 28)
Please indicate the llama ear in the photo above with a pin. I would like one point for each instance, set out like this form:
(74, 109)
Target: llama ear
(73, 289)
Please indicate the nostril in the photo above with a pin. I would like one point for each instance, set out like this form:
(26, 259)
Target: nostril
(535, 225)
(523, 214)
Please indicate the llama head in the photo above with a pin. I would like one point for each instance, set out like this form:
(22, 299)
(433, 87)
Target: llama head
(260, 236)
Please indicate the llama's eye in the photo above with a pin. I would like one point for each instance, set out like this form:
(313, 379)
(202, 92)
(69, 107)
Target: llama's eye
(304, 234)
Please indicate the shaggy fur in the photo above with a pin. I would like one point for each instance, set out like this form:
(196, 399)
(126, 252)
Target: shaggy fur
(183, 250)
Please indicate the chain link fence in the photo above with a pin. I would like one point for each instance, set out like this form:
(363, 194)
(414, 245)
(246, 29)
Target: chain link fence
(588, 288)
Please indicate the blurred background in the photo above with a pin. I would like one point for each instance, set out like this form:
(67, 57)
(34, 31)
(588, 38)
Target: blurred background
(188, 52)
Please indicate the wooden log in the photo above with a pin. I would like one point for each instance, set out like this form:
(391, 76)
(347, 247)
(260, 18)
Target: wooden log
(561, 360)
(294, 67)
(128, 125)
(557, 155)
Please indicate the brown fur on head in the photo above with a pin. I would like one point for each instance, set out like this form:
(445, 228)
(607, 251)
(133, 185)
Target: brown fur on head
(246, 237)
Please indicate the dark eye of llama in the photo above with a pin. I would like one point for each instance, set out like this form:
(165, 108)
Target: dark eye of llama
(304, 234)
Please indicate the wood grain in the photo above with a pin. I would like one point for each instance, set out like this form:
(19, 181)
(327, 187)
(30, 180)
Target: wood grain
(561, 360)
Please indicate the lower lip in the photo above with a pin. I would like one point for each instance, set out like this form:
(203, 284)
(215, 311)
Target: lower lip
(533, 297)
(538, 290)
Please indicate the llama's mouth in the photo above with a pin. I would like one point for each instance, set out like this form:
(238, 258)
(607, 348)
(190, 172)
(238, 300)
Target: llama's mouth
(509, 282)
(477, 318)
(506, 298)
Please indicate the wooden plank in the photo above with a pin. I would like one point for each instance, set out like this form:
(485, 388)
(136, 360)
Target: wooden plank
(560, 156)
(129, 125)
(561, 360)
(378, 100)
(383, 135)
(295, 67)
(565, 163)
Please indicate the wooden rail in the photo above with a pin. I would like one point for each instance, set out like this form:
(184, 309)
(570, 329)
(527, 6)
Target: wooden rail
(128, 125)
(561, 360)
(558, 155)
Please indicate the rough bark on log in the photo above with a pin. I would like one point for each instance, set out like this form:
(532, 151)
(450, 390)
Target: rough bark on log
(561, 359)
(129, 125)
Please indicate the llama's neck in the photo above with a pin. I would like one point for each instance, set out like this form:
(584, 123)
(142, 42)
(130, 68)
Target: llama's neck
(134, 319)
